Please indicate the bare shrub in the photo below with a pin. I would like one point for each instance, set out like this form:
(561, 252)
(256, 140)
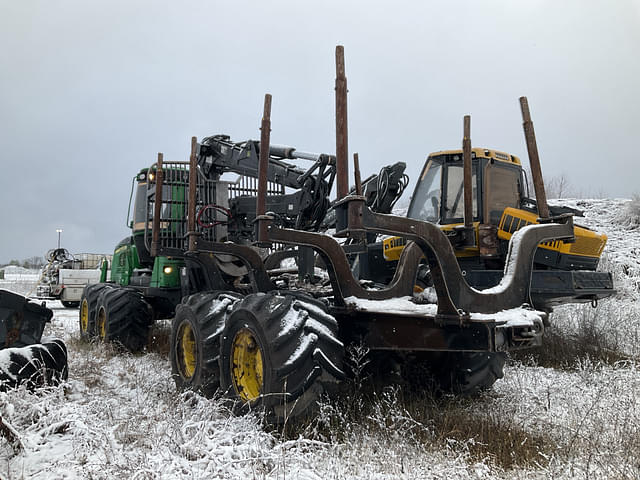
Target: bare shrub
(630, 216)
(557, 186)
(581, 332)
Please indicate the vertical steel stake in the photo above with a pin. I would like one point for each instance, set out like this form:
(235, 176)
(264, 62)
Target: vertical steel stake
(263, 165)
(467, 173)
(534, 159)
(193, 185)
(157, 208)
(356, 172)
(342, 150)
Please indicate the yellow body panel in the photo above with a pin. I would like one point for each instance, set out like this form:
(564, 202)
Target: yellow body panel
(587, 244)
(392, 247)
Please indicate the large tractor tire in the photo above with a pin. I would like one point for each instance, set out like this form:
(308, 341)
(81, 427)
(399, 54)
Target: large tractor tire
(195, 340)
(469, 373)
(33, 365)
(88, 309)
(123, 317)
(277, 350)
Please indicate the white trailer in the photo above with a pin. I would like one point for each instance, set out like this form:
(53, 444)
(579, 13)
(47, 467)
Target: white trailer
(66, 275)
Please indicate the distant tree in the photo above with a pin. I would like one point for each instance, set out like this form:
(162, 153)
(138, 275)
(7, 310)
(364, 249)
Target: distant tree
(557, 187)
(14, 262)
(33, 262)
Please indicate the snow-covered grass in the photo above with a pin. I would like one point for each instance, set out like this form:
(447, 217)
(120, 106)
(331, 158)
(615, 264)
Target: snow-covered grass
(576, 415)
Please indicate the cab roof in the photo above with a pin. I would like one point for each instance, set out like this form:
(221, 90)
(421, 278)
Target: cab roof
(478, 152)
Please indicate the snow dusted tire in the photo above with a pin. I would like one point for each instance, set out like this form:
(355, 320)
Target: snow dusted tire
(469, 373)
(123, 317)
(195, 340)
(277, 350)
(88, 308)
(34, 365)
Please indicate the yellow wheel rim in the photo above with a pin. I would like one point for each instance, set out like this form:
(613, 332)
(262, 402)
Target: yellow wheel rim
(102, 323)
(84, 316)
(186, 351)
(246, 366)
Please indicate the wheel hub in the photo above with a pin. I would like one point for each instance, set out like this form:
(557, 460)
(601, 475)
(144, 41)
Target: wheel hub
(246, 367)
(186, 354)
(84, 316)
(102, 323)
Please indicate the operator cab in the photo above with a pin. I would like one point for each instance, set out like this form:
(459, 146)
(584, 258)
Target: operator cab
(497, 183)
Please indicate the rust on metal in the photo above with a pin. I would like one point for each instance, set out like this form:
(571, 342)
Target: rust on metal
(193, 185)
(455, 296)
(342, 150)
(343, 282)
(356, 172)
(263, 166)
(467, 174)
(488, 241)
(157, 208)
(534, 159)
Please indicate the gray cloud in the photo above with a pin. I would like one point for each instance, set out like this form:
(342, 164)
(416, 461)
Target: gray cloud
(91, 91)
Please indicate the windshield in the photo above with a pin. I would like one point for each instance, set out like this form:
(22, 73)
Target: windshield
(140, 206)
(425, 204)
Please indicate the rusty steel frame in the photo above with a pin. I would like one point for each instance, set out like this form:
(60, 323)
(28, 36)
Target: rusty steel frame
(456, 299)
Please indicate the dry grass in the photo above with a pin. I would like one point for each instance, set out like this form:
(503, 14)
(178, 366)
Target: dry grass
(429, 421)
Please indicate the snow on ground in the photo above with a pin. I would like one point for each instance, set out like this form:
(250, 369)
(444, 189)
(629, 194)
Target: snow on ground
(19, 279)
(119, 416)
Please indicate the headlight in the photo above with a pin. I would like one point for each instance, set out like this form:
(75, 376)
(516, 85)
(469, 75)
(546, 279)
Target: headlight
(167, 270)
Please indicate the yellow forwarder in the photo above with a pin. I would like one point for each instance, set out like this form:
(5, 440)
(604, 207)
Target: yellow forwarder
(501, 205)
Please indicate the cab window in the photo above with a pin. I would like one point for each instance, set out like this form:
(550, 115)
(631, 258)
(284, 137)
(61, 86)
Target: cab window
(425, 204)
(454, 193)
(502, 187)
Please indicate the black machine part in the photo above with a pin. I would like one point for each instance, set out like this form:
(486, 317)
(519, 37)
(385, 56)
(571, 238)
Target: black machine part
(21, 321)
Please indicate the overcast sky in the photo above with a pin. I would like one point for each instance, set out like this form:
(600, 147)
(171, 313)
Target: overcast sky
(90, 91)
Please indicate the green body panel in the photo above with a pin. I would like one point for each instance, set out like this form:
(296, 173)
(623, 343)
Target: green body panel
(125, 260)
(166, 272)
(104, 268)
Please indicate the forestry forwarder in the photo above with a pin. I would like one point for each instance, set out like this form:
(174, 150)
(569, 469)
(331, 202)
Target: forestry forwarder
(208, 253)
(501, 205)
